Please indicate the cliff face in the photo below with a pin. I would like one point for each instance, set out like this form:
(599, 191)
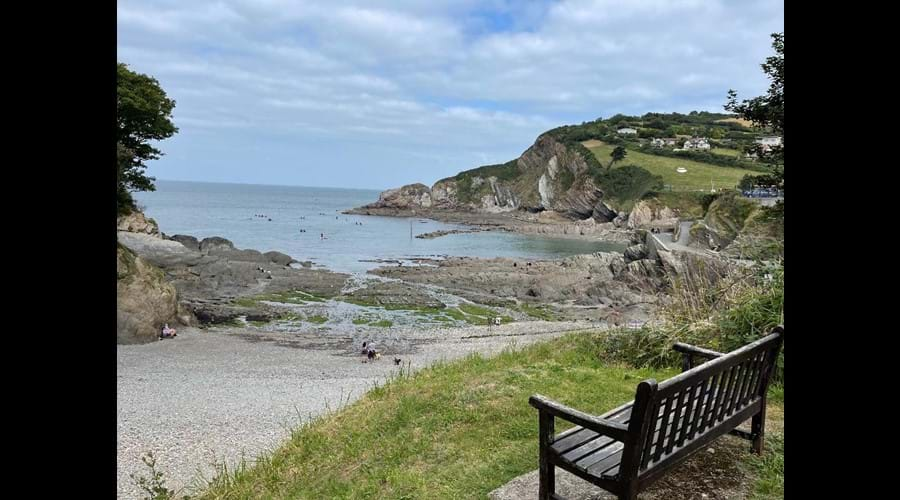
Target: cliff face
(409, 196)
(547, 176)
(144, 300)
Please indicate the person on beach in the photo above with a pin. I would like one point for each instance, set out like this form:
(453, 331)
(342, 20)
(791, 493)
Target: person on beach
(168, 332)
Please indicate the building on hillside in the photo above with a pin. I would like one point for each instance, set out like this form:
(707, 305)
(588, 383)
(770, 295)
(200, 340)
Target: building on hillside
(768, 142)
(772, 140)
(696, 143)
(626, 131)
(663, 141)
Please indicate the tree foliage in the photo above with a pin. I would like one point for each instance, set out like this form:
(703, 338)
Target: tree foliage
(617, 154)
(767, 111)
(143, 114)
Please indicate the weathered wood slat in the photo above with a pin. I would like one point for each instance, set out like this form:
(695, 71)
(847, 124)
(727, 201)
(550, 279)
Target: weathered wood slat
(579, 436)
(655, 438)
(715, 366)
(714, 382)
(645, 453)
(689, 409)
(608, 462)
(611, 454)
(597, 424)
(664, 426)
(702, 397)
(673, 435)
(593, 446)
(745, 380)
(735, 402)
(726, 394)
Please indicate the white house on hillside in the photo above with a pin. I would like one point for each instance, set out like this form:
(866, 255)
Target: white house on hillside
(665, 141)
(772, 140)
(769, 142)
(627, 130)
(696, 143)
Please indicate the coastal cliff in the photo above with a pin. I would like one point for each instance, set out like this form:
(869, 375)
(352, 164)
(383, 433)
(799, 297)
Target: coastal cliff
(549, 175)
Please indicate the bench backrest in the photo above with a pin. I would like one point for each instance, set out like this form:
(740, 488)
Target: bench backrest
(683, 413)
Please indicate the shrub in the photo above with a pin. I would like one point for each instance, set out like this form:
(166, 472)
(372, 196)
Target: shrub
(628, 182)
(719, 307)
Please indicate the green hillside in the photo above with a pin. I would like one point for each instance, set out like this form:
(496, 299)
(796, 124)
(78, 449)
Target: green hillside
(699, 176)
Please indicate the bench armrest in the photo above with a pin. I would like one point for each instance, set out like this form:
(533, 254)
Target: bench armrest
(603, 426)
(688, 352)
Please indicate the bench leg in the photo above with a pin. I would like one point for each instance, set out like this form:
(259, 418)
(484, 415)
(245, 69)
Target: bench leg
(628, 495)
(547, 487)
(758, 429)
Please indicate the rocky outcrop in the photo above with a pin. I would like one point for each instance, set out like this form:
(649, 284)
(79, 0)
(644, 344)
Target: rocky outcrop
(548, 176)
(144, 300)
(411, 196)
(726, 217)
(393, 293)
(636, 252)
(444, 232)
(188, 241)
(215, 243)
(443, 194)
(208, 280)
(646, 215)
(137, 222)
(703, 236)
(279, 258)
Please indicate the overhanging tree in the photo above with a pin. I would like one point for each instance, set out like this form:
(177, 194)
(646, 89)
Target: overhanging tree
(143, 114)
(767, 111)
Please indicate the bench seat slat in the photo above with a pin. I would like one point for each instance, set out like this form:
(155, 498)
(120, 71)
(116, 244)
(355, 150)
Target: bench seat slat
(608, 462)
(579, 436)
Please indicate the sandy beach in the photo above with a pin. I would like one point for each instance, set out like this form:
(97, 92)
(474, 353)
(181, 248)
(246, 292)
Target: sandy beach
(213, 396)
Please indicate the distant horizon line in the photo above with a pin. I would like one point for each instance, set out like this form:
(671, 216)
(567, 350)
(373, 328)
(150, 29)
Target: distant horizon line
(270, 185)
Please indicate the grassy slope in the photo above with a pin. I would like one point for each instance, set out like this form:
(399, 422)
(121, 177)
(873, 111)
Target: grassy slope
(453, 431)
(697, 177)
(726, 152)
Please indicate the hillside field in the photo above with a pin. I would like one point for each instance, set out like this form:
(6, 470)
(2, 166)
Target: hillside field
(699, 176)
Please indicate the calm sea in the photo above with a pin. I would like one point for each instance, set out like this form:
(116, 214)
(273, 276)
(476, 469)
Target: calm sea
(229, 210)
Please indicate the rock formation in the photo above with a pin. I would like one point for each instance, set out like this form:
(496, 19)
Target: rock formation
(548, 176)
(144, 300)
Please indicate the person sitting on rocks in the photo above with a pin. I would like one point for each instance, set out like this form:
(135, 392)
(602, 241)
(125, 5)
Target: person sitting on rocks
(168, 332)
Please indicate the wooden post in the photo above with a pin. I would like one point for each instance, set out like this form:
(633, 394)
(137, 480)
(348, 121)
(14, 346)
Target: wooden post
(641, 415)
(547, 487)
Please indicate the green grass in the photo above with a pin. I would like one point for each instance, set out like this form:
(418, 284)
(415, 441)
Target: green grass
(769, 469)
(726, 152)
(372, 321)
(457, 430)
(317, 318)
(686, 203)
(697, 177)
(477, 310)
(289, 297)
(469, 313)
(541, 312)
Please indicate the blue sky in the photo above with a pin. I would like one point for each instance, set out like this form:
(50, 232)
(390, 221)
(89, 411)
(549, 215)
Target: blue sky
(377, 94)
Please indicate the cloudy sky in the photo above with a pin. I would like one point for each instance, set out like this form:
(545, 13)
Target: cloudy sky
(382, 93)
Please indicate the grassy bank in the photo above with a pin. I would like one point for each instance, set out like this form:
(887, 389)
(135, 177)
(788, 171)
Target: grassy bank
(699, 175)
(457, 430)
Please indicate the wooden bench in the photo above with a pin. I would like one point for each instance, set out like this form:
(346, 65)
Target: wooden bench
(628, 448)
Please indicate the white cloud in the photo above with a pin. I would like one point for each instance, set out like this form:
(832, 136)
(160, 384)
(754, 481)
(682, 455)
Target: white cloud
(450, 84)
